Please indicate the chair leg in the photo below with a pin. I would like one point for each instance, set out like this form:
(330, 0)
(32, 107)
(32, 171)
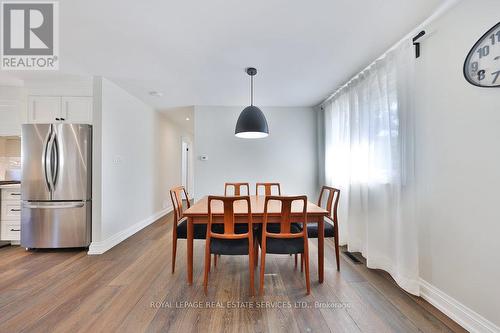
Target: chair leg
(215, 261)
(301, 263)
(256, 253)
(337, 250)
(207, 265)
(174, 252)
(262, 267)
(296, 260)
(306, 259)
(251, 261)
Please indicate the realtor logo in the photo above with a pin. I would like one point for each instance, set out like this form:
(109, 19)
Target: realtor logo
(30, 33)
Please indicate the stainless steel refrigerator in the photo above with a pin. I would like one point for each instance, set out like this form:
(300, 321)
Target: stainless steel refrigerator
(56, 185)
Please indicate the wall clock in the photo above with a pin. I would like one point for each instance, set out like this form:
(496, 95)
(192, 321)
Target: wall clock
(482, 65)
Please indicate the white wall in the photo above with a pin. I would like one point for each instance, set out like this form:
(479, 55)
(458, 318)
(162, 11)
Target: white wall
(128, 173)
(139, 162)
(168, 150)
(96, 160)
(288, 155)
(458, 163)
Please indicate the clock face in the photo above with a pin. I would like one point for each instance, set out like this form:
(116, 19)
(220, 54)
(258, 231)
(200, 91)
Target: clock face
(482, 66)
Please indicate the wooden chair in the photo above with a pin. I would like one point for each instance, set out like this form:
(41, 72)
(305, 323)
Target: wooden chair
(235, 239)
(331, 229)
(267, 188)
(180, 227)
(284, 237)
(236, 188)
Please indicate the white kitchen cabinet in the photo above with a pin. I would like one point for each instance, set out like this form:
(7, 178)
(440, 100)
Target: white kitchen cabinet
(11, 193)
(11, 232)
(77, 110)
(10, 116)
(12, 110)
(57, 109)
(43, 109)
(11, 210)
(10, 213)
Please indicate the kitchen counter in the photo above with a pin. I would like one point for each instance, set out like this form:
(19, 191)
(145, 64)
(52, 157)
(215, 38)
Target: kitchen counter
(9, 183)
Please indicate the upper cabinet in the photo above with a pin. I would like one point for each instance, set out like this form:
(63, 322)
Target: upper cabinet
(77, 110)
(54, 109)
(43, 110)
(10, 116)
(12, 110)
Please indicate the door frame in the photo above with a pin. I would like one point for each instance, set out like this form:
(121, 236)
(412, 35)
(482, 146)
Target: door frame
(187, 165)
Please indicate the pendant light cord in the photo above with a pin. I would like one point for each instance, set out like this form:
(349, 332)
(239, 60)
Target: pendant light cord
(251, 90)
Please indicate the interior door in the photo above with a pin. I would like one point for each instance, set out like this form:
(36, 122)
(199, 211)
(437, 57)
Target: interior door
(34, 146)
(73, 167)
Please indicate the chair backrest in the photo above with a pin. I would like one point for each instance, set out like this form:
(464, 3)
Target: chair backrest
(236, 188)
(228, 204)
(268, 188)
(332, 201)
(176, 196)
(285, 211)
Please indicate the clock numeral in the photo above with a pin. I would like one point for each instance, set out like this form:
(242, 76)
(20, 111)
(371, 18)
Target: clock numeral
(495, 37)
(474, 66)
(484, 51)
(495, 76)
(481, 74)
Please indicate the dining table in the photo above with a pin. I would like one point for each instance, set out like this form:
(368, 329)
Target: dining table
(198, 214)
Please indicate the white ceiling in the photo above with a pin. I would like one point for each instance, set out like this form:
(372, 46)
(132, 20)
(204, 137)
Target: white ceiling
(195, 52)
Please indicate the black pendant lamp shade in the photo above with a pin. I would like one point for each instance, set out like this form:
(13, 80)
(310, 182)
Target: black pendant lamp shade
(252, 123)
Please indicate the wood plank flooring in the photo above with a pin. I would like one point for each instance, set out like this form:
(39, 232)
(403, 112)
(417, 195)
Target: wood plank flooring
(131, 289)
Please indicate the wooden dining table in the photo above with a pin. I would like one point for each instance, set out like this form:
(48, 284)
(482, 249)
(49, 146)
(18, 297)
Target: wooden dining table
(198, 214)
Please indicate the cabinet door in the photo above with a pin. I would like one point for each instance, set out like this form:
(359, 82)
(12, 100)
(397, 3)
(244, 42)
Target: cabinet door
(10, 117)
(77, 110)
(10, 231)
(44, 109)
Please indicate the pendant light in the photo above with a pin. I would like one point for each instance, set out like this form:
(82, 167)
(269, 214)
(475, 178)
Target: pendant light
(252, 123)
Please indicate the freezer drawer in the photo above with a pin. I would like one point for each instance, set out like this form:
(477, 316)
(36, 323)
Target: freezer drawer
(55, 224)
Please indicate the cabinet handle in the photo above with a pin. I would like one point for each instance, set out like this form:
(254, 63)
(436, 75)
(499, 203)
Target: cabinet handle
(15, 229)
(58, 119)
(63, 119)
(15, 210)
(15, 194)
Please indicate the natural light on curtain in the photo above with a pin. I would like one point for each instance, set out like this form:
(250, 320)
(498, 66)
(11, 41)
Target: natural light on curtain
(369, 156)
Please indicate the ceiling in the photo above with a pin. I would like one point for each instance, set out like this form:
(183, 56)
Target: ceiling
(195, 52)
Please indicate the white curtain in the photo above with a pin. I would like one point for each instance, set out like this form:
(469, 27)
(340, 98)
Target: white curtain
(369, 157)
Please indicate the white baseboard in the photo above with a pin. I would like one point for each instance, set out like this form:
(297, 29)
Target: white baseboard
(465, 317)
(105, 245)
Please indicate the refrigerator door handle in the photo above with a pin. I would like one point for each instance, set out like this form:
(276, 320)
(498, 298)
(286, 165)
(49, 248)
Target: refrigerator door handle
(49, 168)
(55, 169)
(59, 205)
(45, 166)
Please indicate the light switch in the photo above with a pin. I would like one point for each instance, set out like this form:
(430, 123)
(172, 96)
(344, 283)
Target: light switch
(117, 159)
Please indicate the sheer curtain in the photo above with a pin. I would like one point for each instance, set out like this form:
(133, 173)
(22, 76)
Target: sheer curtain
(369, 157)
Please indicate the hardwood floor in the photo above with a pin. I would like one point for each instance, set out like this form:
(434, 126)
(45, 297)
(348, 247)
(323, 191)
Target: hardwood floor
(131, 289)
